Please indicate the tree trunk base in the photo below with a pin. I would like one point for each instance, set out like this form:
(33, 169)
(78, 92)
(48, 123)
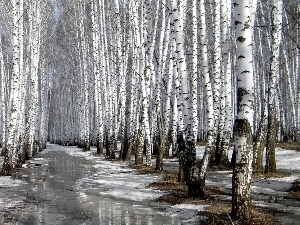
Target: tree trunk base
(7, 168)
(194, 190)
(100, 149)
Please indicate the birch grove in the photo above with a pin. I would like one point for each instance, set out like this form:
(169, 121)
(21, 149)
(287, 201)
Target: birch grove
(24, 86)
(241, 178)
(147, 79)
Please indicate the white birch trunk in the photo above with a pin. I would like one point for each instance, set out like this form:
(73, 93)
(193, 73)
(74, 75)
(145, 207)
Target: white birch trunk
(241, 180)
(194, 77)
(2, 96)
(34, 82)
(216, 76)
(227, 115)
(13, 110)
(97, 79)
(209, 98)
(187, 141)
(276, 22)
(44, 107)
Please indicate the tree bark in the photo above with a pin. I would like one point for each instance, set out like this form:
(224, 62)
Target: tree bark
(276, 22)
(242, 171)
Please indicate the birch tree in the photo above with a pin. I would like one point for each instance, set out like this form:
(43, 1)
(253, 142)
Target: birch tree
(241, 180)
(163, 114)
(216, 76)
(208, 99)
(10, 159)
(35, 37)
(276, 23)
(3, 88)
(226, 132)
(187, 143)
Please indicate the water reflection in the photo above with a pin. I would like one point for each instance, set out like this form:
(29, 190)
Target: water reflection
(116, 211)
(51, 197)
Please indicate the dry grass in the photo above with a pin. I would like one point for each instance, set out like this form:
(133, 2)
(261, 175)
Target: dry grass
(296, 186)
(295, 195)
(202, 143)
(289, 145)
(219, 214)
(277, 174)
(295, 190)
(219, 210)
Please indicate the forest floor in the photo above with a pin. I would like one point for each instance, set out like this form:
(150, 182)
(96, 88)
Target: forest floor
(63, 185)
(275, 197)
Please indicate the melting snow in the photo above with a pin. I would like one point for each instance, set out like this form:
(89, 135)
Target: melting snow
(117, 180)
(9, 182)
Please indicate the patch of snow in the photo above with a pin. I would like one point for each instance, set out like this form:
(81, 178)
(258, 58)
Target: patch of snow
(226, 172)
(9, 200)
(220, 183)
(38, 159)
(120, 182)
(288, 160)
(82, 195)
(271, 185)
(285, 160)
(137, 195)
(187, 212)
(10, 182)
(280, 205)
(9, 203)
(200, 150)
(115, 178)
(190, 207)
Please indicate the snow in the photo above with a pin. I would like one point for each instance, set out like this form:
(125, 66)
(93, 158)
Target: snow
(286, 160)
(116, 180)
(188, 211)
(7, 199)
(123, 183)
(9, 182)
(264, 188)
(188, 207)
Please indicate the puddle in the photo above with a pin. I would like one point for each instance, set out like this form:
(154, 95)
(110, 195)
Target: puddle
(59, 188)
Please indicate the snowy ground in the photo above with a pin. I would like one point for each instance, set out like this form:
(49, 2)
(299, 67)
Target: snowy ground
(121, 182)
(265, 190)
(108, 193)
(115, 180)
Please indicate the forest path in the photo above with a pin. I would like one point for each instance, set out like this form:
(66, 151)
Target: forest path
(63, 185)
